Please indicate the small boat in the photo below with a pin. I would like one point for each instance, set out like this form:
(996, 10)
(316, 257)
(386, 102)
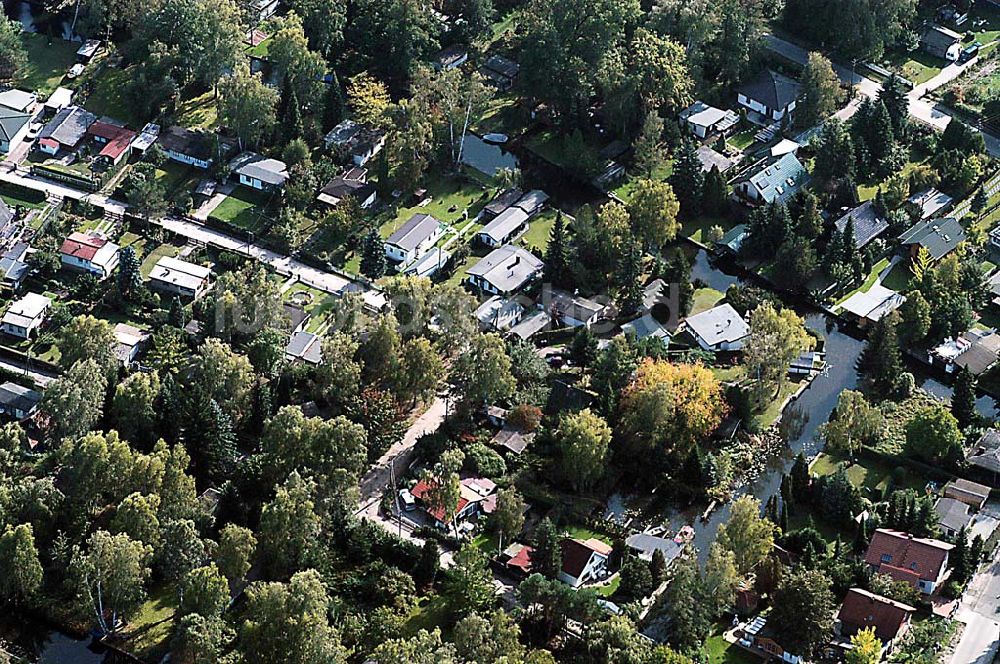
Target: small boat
(498, 139)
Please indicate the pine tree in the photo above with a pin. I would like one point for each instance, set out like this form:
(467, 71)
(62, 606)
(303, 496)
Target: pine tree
(373, 262)
(547, 557)
(963, 399)
(648, 147)
(897, 104)
(557, 254)
(715, 194)
(176, 315)
(880, 362)
(799, 475)
(293, 125)
(787, 495)
(960, 558)
(979, 202)
(783, 520)
(333, 108)
(688, 179)
(658, 568)
(630, 280)
(129, 274)
(428, 564)
(382, 177)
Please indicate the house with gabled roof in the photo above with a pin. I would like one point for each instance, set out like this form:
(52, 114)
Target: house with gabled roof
(114, 141)
(413, 238)
(477, 496)
(919, 561)
(352, 184)
(505, 270)
(941, 42)
(17, 401)
(259, 172)
(952, 516)
(356, 141)
(720, 328)
(938, 236)
(868, 222)
(583, 561)
(304, 346)
(866, 610)
(971, 493)
(705, 121)
(769, 94)
(89, 253)
(775, 182)
(14, 126)
(500, 72)
(25, 315)
(66, 130)
(179, 277)
(194, 148)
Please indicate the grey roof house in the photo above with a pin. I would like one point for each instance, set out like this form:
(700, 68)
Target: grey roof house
(358, 142)
(938, 236)
(505, 270)
(941, 42)
(304, 346)
(769, 94)
(65, 130)
(953, 515)
(18, 401)
(868, 223)
(776, 182)
(14, 127)
(718, 329)
(352, 184)
(14, 267)
(259, 172)
(413, 238)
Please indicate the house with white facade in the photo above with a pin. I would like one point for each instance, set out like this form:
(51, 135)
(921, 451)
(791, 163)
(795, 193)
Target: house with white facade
(769, 96)
(505, 270)
(720, 328)
(413, 238)
(583, 561)
(920, 562)
(173, 275)
(89, 253)
(25, 316)
(259, 172)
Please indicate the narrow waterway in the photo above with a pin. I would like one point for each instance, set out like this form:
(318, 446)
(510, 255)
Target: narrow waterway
(44, 645)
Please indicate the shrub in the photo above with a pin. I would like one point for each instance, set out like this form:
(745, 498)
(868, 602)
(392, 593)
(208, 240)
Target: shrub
(485, 461)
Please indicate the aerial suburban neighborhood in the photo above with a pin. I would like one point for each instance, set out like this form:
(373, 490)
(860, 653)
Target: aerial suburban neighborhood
(499, 331)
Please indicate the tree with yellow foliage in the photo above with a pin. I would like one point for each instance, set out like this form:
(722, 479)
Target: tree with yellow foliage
(867, 649)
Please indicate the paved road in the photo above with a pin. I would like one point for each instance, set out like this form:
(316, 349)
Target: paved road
(979, 611)
(929, 112)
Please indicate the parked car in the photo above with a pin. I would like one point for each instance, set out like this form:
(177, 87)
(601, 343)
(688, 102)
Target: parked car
(969, 52)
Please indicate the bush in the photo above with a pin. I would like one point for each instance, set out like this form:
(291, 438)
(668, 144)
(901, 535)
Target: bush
(952, 590)
(525, 417)
(485, 461)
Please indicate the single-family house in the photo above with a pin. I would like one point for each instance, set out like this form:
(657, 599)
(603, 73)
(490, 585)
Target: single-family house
(770, 95)
(357, 142)
(645, 545)
(352, 184)
(501, 202)
(129, 342)
(18, 401)
(66, 130)
(14, 127)
(259, 172)
(938, 236)
(147, 137)
(569, 310)
(504, 228)
(532, 202)
(974, 350)
(413, 238)
(711, 158)
(89, 253)
(705, 121)
(867, 221)
(941, 42)
(928, 203)
(19, 100)
(758, 634)
(919, 561)
(500, 72)
(505, 270)
(645, 327)
(304, 346)
(179, 277)
(516, 559)
(871, 306)
(513, 439)
(113, 141)
(261, 10)
(720, 328)
(194, 148)
(452, 57)
(428, 264)
(14, 266)
(776, 182)
(971, 493)
(477, 496)
(583, 561)
(530, 325)
(866, 610)
(25, 315)
(985, 454)
(732, 241)
(952, 515)
(57, 101)
(499, 314)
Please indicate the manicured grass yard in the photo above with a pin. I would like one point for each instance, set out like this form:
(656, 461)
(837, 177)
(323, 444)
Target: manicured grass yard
(430, 612)
(584, 533)
(705, 299)
(173, 174)
(449, 196)
(871, 476)
(539, 229)
(697, 229)
(10, 199)
(627, 188)
(153, 624)
(916, 66)
(244, 208)
(610, 589)
(717, 650)
(742, 140)
(47, 63)
(150, 260)
(198, 112)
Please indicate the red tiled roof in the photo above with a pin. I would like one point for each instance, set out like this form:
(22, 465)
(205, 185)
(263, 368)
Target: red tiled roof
(116, 146)
(107, 131)
(82, 246)
(522, 559)
(577, 553)
(420, 492)
(48, 142)
(903, 556)
(862, 609)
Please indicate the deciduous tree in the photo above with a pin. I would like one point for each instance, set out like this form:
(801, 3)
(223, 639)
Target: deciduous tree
(583, 439)
(747, 534)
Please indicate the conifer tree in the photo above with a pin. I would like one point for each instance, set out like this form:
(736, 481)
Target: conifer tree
(963, 399)
(715, 194)
(557, 254)
(630, 280)
(129, 274)
(373, 261)
(880, 362)
(688, 179)
(333, 109)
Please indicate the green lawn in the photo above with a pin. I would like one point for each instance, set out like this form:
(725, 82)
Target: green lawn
(774, 408)
(47, 63)
(742, 140)
(584, 533)
(869, 280)
(173, 174)
(705, 299)
(198, 112)
(245, 208)
(539, 230)
(108, 97)
(899, 277)
(697, 229)
(153, 624)
(610, 589)
(916, 66)
(873, 477)
(429, 613)
(149, 261)
(626, 189)
(450, 196)
(503, 115)
(554, 147)
(14, 200)
(716, 650)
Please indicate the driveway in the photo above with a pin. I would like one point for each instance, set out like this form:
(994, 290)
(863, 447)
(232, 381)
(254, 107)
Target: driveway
(980, 611)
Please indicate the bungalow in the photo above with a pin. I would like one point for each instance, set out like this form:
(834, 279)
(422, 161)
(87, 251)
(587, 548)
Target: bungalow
(645, 327)
(477, 496)
(776, 182)
(66, 130)
(952, 516)
(733, 239)
(530, 325)
(920, 562)
(705, 121)
(513, 439)
(516, 559)
(89, 253)
(757, 634)
(173, 275)
(304, 346)
(927, 203)
(352, 184)
(428, 264)
(500, 72)
(720, 328)
(149, 134)
(938, 236)
(19, 100)
(258, 172)
(451, 57)
(569, 310)
(504, 228)
(645, 545)
(769, 94)
(356, 141)
(710, 159)
(533, 201)
(864, 610)
(974, 350)
(868, 223)
(941, 42)
(194, 148)
(583, 561)
(17, 401)
(972, 494)
(114, 141)
(502, 201)
(24, 316)
(129, 342)
(872, 305)
(498, 314)
(413, 238)
(14, 127)
(57, 101)
(505, 270)
(14, 267)
(985, 454)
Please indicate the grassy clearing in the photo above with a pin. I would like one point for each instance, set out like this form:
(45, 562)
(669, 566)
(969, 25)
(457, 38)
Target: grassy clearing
(773, 411)
(716, 650)
(584, 533)
(697, 229)
(245, 208)
(109, 98)
(555, 148)
(449, 198)
(430, 612)
(150, 260)
(916, 66)
(611, 588)
(153, 624)
(873, 477)
(198, 112)
(742, 140)
(626, 189)
(704, 299)
(48, 62)
(173, 174)
(503, 115)
(539, 229)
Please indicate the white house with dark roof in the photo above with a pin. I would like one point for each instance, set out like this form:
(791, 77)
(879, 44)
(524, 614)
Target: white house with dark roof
(359, 142)
(413, 238)
(583, 561)
(18, 401)
(505, 270)
(941, 42)
(24, 316)
(352, 184)
(173, 275)
(450, 58)
(705, 121)
(499, 314)
(720, 328)
(129, 342)
(776, 182)
(258, 172)
(769, 94)
(571, 310)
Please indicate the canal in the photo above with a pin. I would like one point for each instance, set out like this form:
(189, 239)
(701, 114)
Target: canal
(42, 644)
